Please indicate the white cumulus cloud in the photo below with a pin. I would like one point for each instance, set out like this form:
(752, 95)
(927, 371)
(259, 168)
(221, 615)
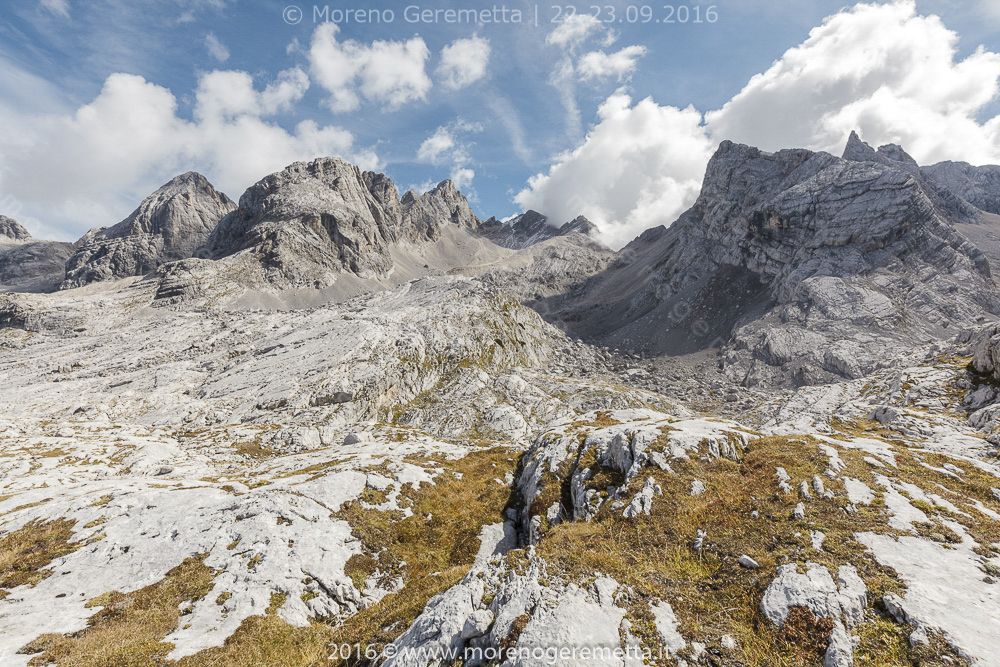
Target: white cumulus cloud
(640, 166)
(882, 69)
(436, 146)
(464, 62)
(879, 68)
(446, 146)
(577, 29)
(600, 65)
(390, 73)
(91, 166)
(216, 49)
(227, 94)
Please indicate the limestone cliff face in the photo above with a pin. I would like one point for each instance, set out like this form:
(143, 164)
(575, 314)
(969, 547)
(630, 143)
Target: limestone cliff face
(795, 259)
(316, 220)
(168, 225)
(12, 232)
(310, 221)
(423, 215)
(980, 186)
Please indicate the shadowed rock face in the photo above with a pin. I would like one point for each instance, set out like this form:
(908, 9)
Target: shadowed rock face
(980, 186)
(169, 225)
(28, 264)
(531, 228)
(794, 259)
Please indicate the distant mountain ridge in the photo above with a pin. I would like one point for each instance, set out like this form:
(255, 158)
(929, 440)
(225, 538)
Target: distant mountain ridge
(532, 227)
(794, 263)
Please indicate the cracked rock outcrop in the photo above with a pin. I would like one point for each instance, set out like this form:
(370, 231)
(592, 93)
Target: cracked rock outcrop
(168, 225)
(980, 186)
(424, 215)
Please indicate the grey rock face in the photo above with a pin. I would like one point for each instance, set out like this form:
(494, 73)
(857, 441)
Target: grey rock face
(310, 222)
(980, 186)
(944, 198)
(27, 264)
(168, 225)
(807, 267)
(422, 216)
(11, 231)
(314, 221)
(531, 228)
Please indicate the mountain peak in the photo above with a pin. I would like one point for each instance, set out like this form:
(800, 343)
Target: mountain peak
(168, 225)
(888, 154)
(12, 231)
(424, 214)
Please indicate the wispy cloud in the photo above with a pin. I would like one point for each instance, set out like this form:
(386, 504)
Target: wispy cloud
(216, 49)
(57, 7)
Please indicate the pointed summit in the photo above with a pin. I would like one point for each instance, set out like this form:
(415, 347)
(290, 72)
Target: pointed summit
(168, 225)
(858, 151)
(424, 214)
(893, 156)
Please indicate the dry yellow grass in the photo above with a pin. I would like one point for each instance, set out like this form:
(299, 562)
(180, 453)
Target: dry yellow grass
(710, 593)
(26, 551)
(129, 631)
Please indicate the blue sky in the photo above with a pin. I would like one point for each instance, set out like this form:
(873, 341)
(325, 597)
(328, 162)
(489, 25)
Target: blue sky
(80, 153)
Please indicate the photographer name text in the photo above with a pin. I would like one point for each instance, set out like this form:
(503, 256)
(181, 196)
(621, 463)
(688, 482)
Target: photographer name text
(501, 14)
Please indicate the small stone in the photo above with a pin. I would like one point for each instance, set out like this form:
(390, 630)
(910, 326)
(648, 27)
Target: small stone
(996, 494)
(748, 563)
(800, 511)
(817, 484)
(804, 491)
(699, 541)
(817, 538)
(728, 643)
(659, 459)
(894, 605)
(697, 488)
(840, 651)
(919, 638)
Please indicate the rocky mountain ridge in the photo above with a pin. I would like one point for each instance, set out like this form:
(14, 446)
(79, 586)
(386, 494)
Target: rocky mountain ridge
(797, 262)
(532, 227)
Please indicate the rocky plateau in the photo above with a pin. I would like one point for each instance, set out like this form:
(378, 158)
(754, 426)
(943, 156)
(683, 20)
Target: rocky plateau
(335, 425)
